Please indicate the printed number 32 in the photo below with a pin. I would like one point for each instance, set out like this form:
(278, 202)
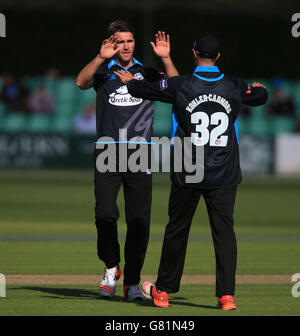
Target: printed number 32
(215, 138)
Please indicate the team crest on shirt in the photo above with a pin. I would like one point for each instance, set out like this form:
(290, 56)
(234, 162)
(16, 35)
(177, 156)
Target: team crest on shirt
(121, 97)
(138, 76)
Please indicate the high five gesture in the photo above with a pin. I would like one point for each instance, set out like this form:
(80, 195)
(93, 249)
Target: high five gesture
(161, 48)
(109, 47)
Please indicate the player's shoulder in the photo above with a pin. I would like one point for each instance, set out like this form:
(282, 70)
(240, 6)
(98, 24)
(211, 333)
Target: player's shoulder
(102, 69)
(231, 78)
(182, 79)
(236, 81)
(100, 76)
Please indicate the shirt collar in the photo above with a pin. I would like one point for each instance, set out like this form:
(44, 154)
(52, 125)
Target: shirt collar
(114, 62)
(207, 68)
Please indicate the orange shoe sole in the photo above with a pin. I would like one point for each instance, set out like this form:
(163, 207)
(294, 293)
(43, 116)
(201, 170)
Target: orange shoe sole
(158, 303)
(228, 306)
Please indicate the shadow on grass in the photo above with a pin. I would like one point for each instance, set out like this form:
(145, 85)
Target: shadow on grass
(189, 304)
(63, 293)
(76, 293)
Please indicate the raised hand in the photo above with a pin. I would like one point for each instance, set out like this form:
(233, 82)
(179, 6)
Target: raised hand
(256, 84)
(109, 47)
(125, 76)
(161, 47)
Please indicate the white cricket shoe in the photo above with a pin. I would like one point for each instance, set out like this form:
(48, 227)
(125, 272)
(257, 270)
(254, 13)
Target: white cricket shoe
(147, 289)
(108, 284)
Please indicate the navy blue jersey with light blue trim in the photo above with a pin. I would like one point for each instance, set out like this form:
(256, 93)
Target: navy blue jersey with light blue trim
(116, 109)
(205, 108)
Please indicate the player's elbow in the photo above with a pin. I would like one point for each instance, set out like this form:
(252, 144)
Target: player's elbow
(259, 98)
(82, 85)
(263, 98)
(79, 84)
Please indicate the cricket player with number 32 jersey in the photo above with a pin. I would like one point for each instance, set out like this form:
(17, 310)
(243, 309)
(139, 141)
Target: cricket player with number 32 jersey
(206, 107)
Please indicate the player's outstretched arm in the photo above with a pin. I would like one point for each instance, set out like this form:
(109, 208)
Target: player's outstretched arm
(108, 49)
(84, 79)
(163, 90)
(256, 95)
(161, 48)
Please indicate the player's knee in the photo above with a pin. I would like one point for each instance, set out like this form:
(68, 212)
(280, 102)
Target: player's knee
(105, 220)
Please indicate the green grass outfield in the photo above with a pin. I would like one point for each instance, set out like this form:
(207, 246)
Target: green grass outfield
(192, 300)
(257, 257)
(47, 227)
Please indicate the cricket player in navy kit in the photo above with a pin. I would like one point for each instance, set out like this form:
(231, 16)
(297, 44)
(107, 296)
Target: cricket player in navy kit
(206, 106)
(117, 110)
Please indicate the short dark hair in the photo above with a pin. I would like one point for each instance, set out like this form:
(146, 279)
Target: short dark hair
(119, 26)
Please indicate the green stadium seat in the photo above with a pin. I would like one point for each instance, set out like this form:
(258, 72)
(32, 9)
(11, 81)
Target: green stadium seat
(66, 90)
(259, 125)
(32, 82)
(62, 124)
(66, 96)
(288, 88)
(2, 115)
(50, 86)
(84, 98)
(283, 124)
(2, 109)
(86, 95)
(14, 122)
(64, 108)
(242, 123)
(162, 119)
(39, 123)
(258, 111)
